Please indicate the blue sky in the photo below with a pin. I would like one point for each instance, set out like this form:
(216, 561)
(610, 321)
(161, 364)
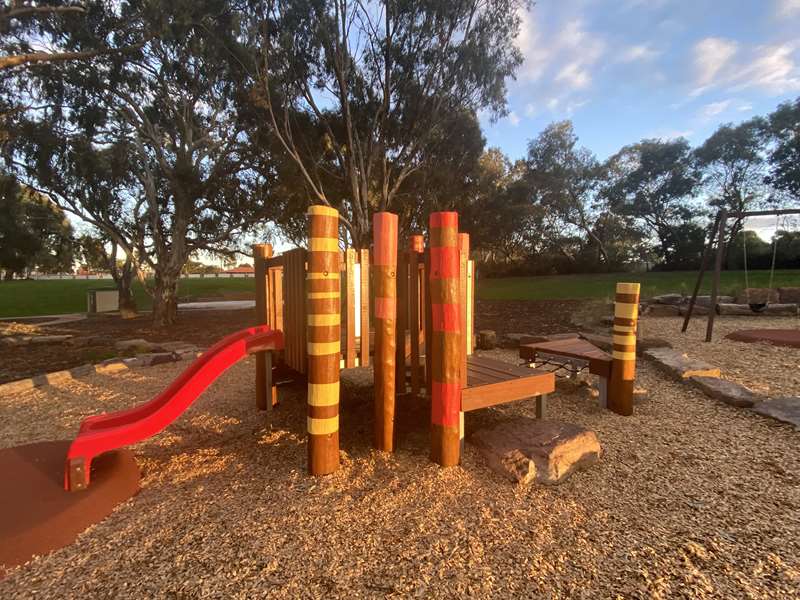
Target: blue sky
(623, 70)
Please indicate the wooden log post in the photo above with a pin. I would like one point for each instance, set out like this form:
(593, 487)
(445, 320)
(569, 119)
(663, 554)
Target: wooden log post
(266, 394)
(384, 280)
(623, 366)
(416, 307)
(324, 340)
(446, 343)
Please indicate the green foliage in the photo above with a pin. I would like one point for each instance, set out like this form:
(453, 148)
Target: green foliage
(34, 234)
(783, 129)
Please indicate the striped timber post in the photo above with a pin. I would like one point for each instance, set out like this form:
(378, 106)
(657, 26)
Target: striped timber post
(416, 313)
(446, 344)
(384, 280)
(324, 331)
(266, 395)
(623, 367)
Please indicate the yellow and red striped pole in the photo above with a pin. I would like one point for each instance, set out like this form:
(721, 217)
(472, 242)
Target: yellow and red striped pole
(446, 344)
(623, 366)
(324, 340)
(384, 280)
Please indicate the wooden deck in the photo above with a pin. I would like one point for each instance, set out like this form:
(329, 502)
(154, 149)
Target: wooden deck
(577, 348)
(491, 382)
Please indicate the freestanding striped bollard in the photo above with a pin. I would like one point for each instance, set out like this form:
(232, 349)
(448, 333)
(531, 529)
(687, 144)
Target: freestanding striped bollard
(324, 340)
(384, 281)
(446, 340)
(623, 366)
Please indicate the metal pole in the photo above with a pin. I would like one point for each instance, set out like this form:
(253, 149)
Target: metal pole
(703, 267)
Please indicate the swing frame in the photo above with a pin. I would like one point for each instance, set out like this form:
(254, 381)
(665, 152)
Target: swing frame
(717, 234)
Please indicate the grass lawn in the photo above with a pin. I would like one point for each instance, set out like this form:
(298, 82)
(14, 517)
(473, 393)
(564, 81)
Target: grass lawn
(30, 298)
(561, 287)
(59, 296)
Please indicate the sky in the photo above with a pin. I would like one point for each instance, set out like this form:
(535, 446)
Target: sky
(624, 70)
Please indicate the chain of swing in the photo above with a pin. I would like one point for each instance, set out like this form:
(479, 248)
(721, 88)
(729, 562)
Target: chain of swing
(759, 306)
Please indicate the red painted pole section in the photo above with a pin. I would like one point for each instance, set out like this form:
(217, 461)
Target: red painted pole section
(384, 278)
(446, 342)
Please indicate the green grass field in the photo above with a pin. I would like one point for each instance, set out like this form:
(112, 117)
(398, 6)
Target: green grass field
(560, 287)
(31, 298)
(59, 296)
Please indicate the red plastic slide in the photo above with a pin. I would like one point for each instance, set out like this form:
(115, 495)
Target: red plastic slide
(105, 432)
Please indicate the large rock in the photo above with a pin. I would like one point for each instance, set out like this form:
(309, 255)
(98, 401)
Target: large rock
(698, 309)
(526, 450)
(487, 339)
(706, 300)
(785, 409)
(757, 296)
(663, 310)
(50, 339)
(728, 392)
(679, 365)
(789, 295)
(672, 299)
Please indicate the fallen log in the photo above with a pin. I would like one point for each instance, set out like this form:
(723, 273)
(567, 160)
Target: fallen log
(770, 310)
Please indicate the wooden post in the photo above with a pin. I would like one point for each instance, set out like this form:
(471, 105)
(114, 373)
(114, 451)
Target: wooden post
(463, 295)
(384, 280)
(446, 343)
(265, 391)
(415, 327)
(324, 340)
(703, 267)
(402, 322)
(723, 220)
(623, 366)
(350, 308)
(363, 260)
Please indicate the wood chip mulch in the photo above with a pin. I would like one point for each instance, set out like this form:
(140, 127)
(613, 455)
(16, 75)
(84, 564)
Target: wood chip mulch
(692, 498)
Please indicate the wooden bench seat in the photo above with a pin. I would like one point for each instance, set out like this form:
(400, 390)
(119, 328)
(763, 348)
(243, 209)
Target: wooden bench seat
(491, 382)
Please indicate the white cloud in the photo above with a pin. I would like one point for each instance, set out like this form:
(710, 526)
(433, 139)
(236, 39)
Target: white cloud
(745, 106)
(513, 118)
(787, 8)
(772, 69)
(710, 56)
(711, 110)
(530, 110)
(638, 52)
(574, 75)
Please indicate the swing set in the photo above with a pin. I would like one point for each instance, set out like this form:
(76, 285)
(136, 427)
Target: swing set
(717, 234)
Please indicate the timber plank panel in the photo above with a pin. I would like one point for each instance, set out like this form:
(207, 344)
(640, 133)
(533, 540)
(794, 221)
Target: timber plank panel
(350, 308)
(599, 361)
(519, 388)
(365, 303)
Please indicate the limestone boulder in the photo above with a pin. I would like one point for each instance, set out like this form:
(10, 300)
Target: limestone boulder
(757, 296)
(789, 295)
(786, 410)
(663, 310)
(726, 391)
(535, 450)
(680, 365)
(672, 299)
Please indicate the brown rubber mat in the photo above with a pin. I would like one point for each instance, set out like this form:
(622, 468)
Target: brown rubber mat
(777, 337)
(37, 515)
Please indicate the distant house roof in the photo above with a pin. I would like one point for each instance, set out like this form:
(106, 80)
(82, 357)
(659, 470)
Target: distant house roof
(241, 269)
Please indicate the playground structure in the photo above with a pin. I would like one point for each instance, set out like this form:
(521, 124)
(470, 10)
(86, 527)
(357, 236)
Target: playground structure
(316, 307)
(716, 244)
(414, 308)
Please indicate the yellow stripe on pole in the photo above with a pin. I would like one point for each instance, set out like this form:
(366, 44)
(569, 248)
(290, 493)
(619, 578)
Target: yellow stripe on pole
(323, 426)
(628, 288)
(323, 394)
(624, 355)
(319, 209)
(324, 245)
(626, 311)
(621, 329)
(324, 320)
(327, 276)
(322, 295)
(323, 348)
